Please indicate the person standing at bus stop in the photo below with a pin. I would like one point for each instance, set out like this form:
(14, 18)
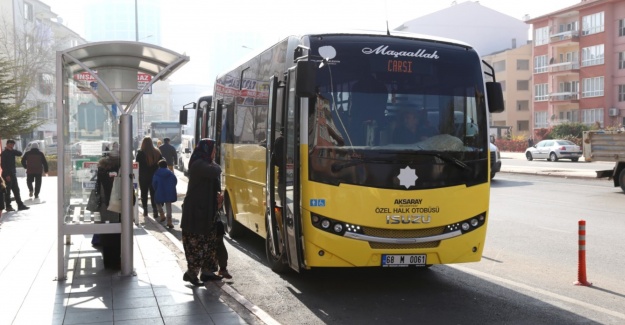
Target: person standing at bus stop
(169, 153)
(199, 209)
(164, 183)
(147, 158)
(36, 165)
(9, 174)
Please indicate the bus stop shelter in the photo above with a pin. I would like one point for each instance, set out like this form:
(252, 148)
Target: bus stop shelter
(97, 89)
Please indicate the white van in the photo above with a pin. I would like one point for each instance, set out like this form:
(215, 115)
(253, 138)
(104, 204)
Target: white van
(184, 152)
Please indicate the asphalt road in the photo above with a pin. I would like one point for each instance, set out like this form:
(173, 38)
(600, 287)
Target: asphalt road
(525, 277)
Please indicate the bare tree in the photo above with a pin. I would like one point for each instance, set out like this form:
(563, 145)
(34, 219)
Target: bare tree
(28, 53)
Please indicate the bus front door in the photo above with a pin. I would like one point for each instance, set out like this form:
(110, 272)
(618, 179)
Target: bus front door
(284, 249)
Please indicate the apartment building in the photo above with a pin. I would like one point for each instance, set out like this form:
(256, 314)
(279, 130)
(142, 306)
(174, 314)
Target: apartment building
(579, 65)
(513, 70)
(31, 34)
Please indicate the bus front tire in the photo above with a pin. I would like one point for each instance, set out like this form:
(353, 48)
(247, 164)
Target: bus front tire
(277, 264)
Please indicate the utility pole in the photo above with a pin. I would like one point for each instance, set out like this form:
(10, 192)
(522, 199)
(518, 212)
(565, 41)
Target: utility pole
(140, 106)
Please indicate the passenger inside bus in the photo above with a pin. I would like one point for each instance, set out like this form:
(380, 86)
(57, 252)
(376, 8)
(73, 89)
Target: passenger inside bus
(413, 127)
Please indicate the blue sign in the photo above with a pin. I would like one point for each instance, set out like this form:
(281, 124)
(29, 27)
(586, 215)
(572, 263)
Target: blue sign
(317, 202)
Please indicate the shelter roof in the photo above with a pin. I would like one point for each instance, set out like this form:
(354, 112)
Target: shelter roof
(144, 57)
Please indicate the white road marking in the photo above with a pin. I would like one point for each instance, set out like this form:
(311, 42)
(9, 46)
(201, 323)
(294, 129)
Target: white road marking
(539, 291)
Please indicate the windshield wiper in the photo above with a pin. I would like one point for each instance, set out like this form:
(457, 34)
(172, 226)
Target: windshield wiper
(448, 158)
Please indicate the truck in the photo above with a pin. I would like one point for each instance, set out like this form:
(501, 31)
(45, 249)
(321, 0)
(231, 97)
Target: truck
(602, 145)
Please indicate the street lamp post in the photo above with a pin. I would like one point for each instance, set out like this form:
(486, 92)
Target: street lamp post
(140, 106)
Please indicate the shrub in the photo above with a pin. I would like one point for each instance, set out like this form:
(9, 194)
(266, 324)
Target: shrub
(568, 130)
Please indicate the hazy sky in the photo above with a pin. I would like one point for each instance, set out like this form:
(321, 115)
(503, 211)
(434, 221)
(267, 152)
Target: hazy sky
(193, 26)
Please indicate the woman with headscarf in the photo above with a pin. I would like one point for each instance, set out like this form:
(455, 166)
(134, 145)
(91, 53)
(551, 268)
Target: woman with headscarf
(199, 208)
(147, 158)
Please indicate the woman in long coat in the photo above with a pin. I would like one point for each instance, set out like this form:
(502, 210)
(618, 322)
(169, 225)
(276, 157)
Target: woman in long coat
(147, 158)
(203, 197)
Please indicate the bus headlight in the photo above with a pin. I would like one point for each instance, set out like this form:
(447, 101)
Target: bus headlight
(338, 227)
(465, 226)
(325, 224)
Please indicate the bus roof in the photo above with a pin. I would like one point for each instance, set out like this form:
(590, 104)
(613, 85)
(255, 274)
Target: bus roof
(355, 32)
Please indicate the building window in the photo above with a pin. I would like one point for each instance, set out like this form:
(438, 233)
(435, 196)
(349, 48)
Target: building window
(621, 60)
(46, 83)
(541, 36)
(499, 66)
(28, 11)
(592, 55)
(621, 93)
(522, 85)
(522, 105)
(592, 115)
(540, 64)
(523, 125)
(540, 120)
(593, 87)
(568, 116)
(522, 64)
(592, 24)
(621, 27)
(503, 85)
(541, 93)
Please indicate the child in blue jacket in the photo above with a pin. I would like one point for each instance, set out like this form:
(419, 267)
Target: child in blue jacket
(164, 182)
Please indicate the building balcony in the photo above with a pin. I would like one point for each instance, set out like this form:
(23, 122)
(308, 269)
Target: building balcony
(571, 36)
(564, 67)
(569, 97)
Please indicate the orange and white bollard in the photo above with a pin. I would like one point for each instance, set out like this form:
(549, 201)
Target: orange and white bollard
(581, 265)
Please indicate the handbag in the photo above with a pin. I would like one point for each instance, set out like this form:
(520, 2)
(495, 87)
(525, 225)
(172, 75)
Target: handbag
(115, 200)
(220, 228)
(93, 204)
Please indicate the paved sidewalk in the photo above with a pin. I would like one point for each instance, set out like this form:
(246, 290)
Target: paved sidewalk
(30, 294)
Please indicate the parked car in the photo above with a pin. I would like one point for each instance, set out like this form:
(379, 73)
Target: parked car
(495, 160)
(554, 150)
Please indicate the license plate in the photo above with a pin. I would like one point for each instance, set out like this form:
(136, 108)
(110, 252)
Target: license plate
(403, 260)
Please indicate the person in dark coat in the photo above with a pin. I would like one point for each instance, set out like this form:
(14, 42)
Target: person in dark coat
(108, 169)
(147, 158)
(164, 183)
(199, 211)
(36, 165)
(9, 174)
(169, 153)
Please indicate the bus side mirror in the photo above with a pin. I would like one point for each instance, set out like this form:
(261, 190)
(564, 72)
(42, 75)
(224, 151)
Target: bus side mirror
(494, 95)
(305, 74)
(182, 119)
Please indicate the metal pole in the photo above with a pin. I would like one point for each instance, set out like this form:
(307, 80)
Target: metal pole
(125, 155)
(60, 213)
(136, 22)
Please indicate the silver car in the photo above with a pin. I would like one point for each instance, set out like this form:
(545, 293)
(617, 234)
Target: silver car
(554, 150)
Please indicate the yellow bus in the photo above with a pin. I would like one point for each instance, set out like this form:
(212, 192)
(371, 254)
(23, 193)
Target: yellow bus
(322, 157)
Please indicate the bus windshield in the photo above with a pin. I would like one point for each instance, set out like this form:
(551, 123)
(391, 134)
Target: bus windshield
(171, 130)
(384, 104)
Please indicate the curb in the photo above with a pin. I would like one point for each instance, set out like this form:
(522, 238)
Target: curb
(261, 314)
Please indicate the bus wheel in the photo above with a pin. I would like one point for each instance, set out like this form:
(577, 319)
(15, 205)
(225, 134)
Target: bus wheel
(277, 262)
(233, 227)
(621, 179)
